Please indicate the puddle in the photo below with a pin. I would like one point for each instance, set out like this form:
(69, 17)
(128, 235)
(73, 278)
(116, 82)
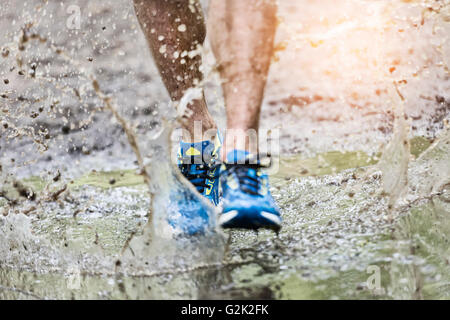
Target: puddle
(336, 228)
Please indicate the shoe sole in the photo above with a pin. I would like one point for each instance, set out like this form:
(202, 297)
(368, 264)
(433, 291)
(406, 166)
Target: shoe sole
(246, 220)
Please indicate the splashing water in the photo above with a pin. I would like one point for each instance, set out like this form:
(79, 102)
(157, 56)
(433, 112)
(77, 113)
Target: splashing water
(360, 92)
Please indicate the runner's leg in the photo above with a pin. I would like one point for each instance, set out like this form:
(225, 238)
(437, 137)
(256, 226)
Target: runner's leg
(173, 29)
(242, 35)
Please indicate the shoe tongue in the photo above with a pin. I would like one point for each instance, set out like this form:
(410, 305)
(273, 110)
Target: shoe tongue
(198, 151)
(237, 156)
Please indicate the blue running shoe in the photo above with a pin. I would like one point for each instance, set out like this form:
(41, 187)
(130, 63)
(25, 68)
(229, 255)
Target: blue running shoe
(247, 202)
(198, 163)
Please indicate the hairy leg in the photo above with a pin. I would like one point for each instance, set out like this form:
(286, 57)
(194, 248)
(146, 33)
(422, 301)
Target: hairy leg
(242, 35)
(173, 29)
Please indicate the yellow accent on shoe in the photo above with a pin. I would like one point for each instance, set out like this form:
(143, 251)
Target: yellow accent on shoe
(192, 152)
(217, 145)
(209, 185)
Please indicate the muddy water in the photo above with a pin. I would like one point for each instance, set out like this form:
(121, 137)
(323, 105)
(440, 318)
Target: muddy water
(363, 178)
(336, 228)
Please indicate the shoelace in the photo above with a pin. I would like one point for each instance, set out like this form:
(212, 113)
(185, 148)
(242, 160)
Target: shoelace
(197, 174)
(248, 183)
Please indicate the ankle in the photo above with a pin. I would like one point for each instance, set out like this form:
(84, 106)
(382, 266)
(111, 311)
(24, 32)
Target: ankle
(240, 143)
(199, 131)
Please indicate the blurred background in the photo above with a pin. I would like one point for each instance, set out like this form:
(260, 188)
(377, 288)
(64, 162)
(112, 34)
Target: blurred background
(328, 86)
